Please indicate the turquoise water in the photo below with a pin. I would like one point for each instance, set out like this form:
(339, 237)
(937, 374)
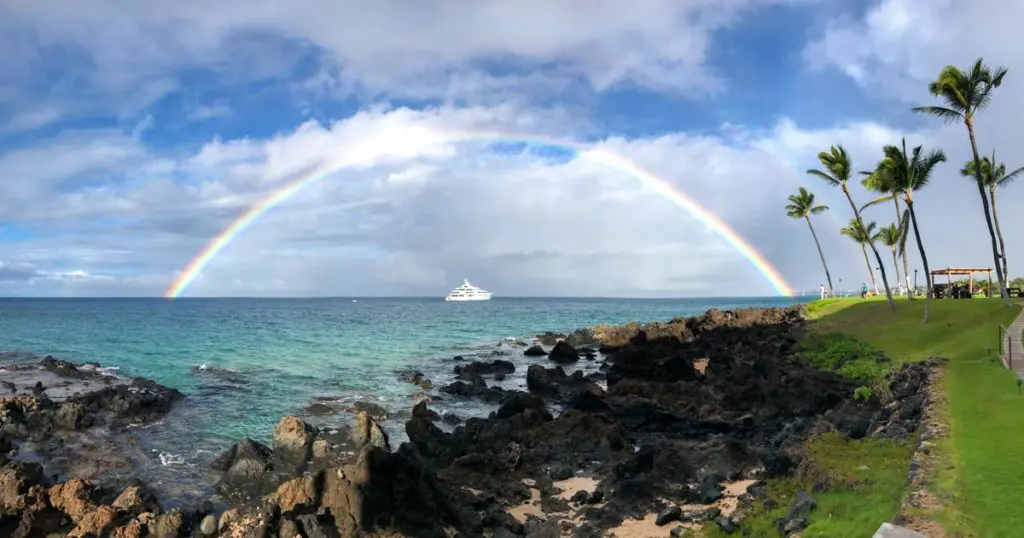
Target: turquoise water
(268, 357)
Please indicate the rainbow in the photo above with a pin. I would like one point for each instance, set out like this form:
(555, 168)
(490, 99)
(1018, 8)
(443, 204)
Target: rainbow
(598, 155)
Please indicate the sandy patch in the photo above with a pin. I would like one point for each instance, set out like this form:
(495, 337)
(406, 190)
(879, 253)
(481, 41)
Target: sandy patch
(630, 528)
(646, 528)
(701, 364)
(729, 502)
(571, 486)
(528, 508)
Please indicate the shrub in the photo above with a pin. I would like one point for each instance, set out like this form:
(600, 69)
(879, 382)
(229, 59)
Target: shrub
(841, 354)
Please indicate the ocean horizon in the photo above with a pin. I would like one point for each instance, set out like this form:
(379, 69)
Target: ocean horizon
(243, 363)
(806, 296)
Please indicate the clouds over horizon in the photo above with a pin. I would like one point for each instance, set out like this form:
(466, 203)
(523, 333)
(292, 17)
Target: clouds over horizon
(127, 150)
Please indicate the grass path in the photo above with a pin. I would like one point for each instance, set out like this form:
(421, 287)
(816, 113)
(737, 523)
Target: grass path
(981, 486)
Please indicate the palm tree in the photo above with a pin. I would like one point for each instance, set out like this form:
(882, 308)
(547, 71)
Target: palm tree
(861, 236)
(837, 173)
(801, 206)
(907, 174)
(891, 236)
(965, 93)
(994, 175)
(876, 183)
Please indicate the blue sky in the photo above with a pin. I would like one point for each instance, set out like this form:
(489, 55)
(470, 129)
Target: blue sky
(129, 137)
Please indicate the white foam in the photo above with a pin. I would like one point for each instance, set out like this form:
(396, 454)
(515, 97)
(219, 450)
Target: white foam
(145, 426)
(167, 459)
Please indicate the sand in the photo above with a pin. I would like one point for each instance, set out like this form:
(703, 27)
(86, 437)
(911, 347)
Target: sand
(646, 528)
(528, 508)
(571, 486)
(630, 528)
(637, 528)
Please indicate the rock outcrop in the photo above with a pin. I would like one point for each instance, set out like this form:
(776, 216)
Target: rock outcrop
(696, 412)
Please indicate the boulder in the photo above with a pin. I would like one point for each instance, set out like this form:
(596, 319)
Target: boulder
(368, 432)
(496, 366)
(293, 445)
(535, 351)
(375, 411)
(563, 353)
(247, 470)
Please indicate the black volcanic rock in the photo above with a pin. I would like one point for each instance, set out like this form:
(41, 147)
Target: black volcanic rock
(535, 351)
(563, 353)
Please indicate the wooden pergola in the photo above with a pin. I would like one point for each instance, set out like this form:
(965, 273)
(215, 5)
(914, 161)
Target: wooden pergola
(950, 272)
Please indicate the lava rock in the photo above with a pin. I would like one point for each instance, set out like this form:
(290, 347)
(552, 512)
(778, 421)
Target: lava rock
(535, 351)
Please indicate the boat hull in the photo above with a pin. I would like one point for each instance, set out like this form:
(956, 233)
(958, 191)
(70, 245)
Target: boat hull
(480, 297)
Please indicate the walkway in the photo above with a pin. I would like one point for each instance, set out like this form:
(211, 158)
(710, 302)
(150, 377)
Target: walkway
(1015, 350)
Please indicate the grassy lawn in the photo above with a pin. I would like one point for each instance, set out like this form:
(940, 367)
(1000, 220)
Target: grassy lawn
(978, 468)
(868, 478)
(986, 445)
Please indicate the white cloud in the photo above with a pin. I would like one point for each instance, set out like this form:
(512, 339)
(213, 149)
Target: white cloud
(205, 112)
(893, 52)
(410, 209)
(900, 45)
(31, 119)
(410, 201)
(130, 52)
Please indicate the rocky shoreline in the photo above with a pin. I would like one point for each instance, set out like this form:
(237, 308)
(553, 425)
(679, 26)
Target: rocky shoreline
(675, 426)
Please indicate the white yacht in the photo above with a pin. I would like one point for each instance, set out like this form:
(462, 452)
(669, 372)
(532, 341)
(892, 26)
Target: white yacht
(468, 292)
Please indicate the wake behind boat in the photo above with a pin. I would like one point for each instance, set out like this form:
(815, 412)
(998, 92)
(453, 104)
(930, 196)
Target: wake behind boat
(468, 292)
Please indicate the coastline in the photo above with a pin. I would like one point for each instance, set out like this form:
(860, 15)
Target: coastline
(636, 442)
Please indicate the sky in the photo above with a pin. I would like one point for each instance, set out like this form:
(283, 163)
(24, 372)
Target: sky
(132, 134)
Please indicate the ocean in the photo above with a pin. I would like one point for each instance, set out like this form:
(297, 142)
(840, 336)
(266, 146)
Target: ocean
(244, 363)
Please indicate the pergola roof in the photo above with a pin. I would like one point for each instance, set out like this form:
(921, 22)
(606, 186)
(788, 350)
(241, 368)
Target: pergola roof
(949, 271)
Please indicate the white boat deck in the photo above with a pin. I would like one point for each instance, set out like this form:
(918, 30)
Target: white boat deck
(468, 292)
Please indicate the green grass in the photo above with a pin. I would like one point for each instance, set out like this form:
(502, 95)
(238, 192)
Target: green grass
(981, 464)
(866, 477)
(977, 469)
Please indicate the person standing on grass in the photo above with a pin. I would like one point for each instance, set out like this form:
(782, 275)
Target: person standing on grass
(864, 290)
(822, 291)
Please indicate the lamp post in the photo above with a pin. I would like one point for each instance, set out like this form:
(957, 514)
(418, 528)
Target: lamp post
(840, 287)
(915, 281)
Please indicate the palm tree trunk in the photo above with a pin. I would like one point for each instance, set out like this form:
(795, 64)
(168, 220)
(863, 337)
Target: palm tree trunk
(903, 245)
(988, 217)
(867, 262)
(828, 276)
(999, 232)
(911, 292)
(924, 261)
(896, 264)
(871, 243)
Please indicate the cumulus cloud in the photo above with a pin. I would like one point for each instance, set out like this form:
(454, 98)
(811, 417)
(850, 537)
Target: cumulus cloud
(408, 203)
(893, 52)
(411, 199)
(436, 49)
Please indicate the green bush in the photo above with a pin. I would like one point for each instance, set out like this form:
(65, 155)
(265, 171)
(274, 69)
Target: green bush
(866, 370)
(862, 393)
(841, 354)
